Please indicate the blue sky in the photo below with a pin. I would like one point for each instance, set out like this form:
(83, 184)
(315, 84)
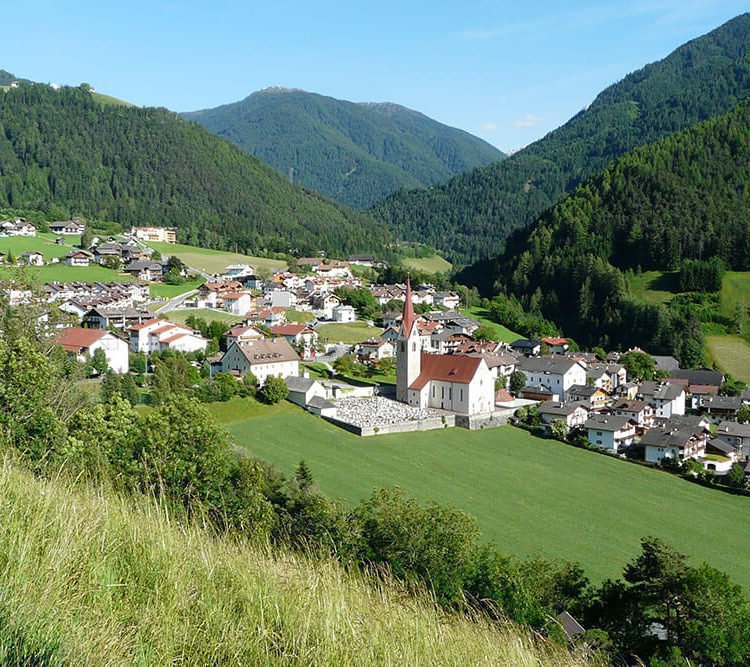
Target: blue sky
(508, 72)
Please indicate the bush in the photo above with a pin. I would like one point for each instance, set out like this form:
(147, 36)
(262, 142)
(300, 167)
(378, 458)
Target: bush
(274, 390)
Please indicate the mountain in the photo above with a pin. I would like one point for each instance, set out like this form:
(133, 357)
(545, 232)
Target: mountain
(686, 197)
(470, 217)
(64, 153)
(355, 154)
(6, 78)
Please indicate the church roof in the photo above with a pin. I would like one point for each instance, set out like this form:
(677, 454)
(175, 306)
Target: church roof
(409, 318)
(446, 368)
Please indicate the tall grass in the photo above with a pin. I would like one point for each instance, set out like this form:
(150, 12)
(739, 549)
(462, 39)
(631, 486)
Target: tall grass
(90, 578)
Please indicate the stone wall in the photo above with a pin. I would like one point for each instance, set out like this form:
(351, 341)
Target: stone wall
(490, 420)
(431, 424)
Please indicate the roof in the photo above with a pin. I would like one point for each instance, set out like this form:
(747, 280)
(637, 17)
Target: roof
(665, 363)
(408, 318)
(320, 403)
(554, 365)
(555, 340)
(733, 429)
(78, 338)
(177, 336)
(699, 376)
(301, 384)
(525, 343)
(607, 422)
(630, 406)
(562, 409)
(570, 626)
(722, 403)
(721, 446)
(502, 396)
(584, 390)
(664, 391)
(267, 351)
(446, 368)
(147, 323)
(289, 329)
(665, 437)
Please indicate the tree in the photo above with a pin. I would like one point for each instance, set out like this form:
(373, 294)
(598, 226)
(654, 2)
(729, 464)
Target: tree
(226, 386)
(559, 429)
(249, 385)
(485, 333)
(517, 381)
(736, 476)
(274, 390)
(743, 414)
(99, 361)
(87, 237)
(639, 365)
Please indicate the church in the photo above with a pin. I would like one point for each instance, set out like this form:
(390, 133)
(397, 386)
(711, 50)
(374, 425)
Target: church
(452, 382)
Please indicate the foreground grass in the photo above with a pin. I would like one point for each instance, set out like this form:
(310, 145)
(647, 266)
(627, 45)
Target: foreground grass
(350, 333)
(531, 496)
(215, 261)
(89, 578)
(732, 354)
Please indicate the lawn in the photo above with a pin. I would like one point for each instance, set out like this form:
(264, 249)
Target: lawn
(166, 291)
(736, 287)
(350, 333)
(654, 286)
(63, 273)
(732, 354)
(533, 497)
(215, 261)
(181, 315)
(299, 316)
(434, 264)
(501, 333)
(43, 243)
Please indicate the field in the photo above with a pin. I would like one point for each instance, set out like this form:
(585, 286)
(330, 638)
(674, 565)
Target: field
(434, 264)
(299, 316)
(169, 291)
(533, 497)
(732, 354)
(350, 333)
(179, 316)
(501, 333)
(654, 286)
(43, 243)
(215, 261)
(63, 273)
(736, 287)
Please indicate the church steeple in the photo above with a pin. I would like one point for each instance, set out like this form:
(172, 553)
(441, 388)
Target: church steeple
(408, 349)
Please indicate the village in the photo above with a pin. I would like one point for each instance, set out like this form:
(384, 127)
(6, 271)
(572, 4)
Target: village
(435, 371)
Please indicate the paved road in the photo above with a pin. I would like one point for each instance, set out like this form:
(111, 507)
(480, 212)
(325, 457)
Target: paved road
(174, 302)
(338, 351)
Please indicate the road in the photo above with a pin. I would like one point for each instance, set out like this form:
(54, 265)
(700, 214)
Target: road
(174, 302)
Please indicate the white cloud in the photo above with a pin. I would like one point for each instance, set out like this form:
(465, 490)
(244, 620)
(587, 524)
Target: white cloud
(529, 120)
(489, 127)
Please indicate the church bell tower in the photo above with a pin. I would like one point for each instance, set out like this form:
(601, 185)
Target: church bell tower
(408, 349)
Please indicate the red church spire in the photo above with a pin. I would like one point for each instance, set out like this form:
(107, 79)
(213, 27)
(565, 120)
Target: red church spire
(408, 316)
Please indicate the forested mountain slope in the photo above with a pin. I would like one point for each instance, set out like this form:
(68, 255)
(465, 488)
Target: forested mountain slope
(355, 154)
(686, 197)
(471, 216)
(64, 153)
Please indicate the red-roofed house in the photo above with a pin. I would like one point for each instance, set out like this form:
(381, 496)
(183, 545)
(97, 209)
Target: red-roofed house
(84, 342)
(242, 333)
(452, 382)
(556, 345)
(296, 334)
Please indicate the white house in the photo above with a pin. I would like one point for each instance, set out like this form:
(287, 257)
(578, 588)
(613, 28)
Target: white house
(242, 333)
(375, 349)
(737, 435)
(67, 228)
(639, 412)
(262, 358)
(33, 258)
(158, 234)
(155, 335)
(83, 343)
(610, 432)
(452, 382)
(674, 441)
(557, 373)
(77, 258)
(668, 399)
(237, 303)
(573, 414)
(344, 314)
(302, 390)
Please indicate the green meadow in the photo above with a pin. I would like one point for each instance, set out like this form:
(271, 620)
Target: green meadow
(215, 261)
(532, 496)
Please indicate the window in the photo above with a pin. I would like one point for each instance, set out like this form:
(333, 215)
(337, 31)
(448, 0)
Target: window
(598, 432)
(462, 395)
(450, 393)
(442, 392)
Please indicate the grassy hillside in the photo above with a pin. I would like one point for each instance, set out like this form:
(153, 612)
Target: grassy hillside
(355, 154)
(65, 153)
(434, 264)
(471, 216)
(531, 496)
(351, 333)
(215, 261)
(731, 354)
(89, 578)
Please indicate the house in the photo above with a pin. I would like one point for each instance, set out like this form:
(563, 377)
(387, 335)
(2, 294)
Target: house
(665, 363)
(262, 358)
(83, 343)
(17, 227)
(721, 407)
(145, 270)
(118, 318)
(668, 399)
(296, 334)
(344, 314)
(105, 253)
(452, 382)
(375, 349)
(699, 392)
(33, 258)
(699, 376)
(539, 393)
(242, 333)
(573, 414)
(613, 375)
(235, 271)
(719, 458)
(362, 260)
(156, 335)
(737, 435)
(446, 300)
(610, 432)
(594, 397)
(557, 373)
(638, 412)
(154, 234)
(528, 348)
(67, 228)
(302, 390)
(556, 344)
(237, 303)
(284, 298)
(77, 258)
(674, 440)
